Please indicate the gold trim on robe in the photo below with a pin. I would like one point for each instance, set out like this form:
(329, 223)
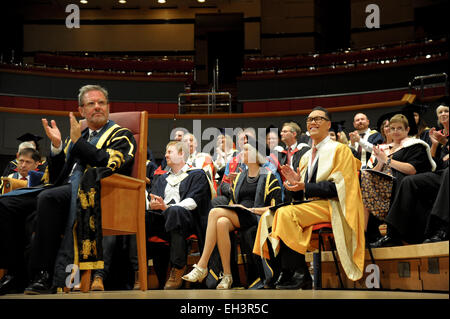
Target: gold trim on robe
(346, 212)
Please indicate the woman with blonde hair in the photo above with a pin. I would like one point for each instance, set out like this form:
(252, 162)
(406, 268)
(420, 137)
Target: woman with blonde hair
(253, 191)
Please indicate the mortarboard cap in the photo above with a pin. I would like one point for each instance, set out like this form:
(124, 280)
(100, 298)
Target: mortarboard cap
(417, 108)
(29, 137)
(337, 126)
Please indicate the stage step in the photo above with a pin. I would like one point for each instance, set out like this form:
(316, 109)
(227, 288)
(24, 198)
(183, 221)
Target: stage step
(423, 267)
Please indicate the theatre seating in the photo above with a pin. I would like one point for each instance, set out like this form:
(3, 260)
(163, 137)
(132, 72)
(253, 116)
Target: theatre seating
(123, 197)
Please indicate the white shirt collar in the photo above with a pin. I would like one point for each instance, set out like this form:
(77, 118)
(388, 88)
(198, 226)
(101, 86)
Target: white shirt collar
(323, 142)
(181, 171)
(292, 147)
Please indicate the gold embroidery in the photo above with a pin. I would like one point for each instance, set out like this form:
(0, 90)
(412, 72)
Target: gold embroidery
(92, 265)
(89, 248)
(92, 223)
(87, 200)
(94, 248)
(86, 250)
(115, 159)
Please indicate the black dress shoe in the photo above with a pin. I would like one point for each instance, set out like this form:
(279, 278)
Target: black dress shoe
(42, 284)
(9, 285)
(386, 241)
(299, 280)
(285, 276)
(440, 235)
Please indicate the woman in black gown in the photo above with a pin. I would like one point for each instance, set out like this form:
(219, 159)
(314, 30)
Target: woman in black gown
(253, 191)
(405, 156)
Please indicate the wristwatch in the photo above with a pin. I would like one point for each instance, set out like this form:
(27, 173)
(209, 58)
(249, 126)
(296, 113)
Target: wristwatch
(388, 162)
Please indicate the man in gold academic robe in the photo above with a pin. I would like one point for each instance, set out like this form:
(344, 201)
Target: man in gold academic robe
(328, 178)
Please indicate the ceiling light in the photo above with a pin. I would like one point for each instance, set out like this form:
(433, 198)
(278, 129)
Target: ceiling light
(122, 1)
(83, 1)
(201, 1)
(161, 1)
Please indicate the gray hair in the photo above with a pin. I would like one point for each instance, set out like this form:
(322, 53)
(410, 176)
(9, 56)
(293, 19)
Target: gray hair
(26, 145)
(88, 88)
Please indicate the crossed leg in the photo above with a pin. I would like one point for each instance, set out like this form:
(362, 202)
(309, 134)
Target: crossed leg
(221, 222)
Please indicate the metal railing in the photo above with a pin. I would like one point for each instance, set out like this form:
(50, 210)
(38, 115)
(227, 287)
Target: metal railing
(212, 103)
(423, 78)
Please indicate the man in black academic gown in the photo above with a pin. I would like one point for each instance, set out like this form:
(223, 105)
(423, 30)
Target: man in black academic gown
(363, 138)
(291, 155)
(179, 204)
(71, 206)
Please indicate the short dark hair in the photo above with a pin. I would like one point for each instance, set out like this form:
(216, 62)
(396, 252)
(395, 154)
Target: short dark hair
(319, 108)
(31, 152)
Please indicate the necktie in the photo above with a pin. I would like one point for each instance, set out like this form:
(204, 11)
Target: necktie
(313, 156)
(359, 144)
(92, 135)
(23, 178)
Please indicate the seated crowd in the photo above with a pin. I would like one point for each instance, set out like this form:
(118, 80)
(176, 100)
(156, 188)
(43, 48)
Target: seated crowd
(268, 193)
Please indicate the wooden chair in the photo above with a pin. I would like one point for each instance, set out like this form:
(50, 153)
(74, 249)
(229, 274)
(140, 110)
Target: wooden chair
(123, 197)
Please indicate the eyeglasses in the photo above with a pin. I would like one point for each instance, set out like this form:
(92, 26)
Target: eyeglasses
(317, 119)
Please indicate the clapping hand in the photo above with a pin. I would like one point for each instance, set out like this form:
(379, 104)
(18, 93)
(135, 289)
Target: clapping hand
(75, 128)
(290, 175)
(379, 154)
(53, 132)
(157, 203)
(437, 136)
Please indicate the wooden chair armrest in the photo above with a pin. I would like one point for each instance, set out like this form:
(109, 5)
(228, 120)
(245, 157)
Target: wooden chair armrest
(122, 181)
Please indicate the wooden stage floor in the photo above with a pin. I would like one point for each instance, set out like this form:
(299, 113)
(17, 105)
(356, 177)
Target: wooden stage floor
(236, 294)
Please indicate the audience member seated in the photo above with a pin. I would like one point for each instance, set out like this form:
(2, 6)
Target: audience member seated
(233, 167)
(422, 127)
(253, 191)
(405, 156)
(201, 160)
(273, 150)
(328, 183)
(28, 140)
(385, 131)
(28, 159)
(180, 200)
(176, 135)
(415, 215)
(224, 152)
(74, 169)
(292, 153)
(363, 138)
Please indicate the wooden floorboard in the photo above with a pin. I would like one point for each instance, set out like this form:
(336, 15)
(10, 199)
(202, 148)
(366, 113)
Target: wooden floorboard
(237, 294)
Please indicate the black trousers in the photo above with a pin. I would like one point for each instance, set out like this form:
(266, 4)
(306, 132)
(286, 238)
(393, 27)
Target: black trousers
(53, 206)
(411, 206)
(169, 225)
(14, 211)
(109, 244)
(439, 215)
(290, 259)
